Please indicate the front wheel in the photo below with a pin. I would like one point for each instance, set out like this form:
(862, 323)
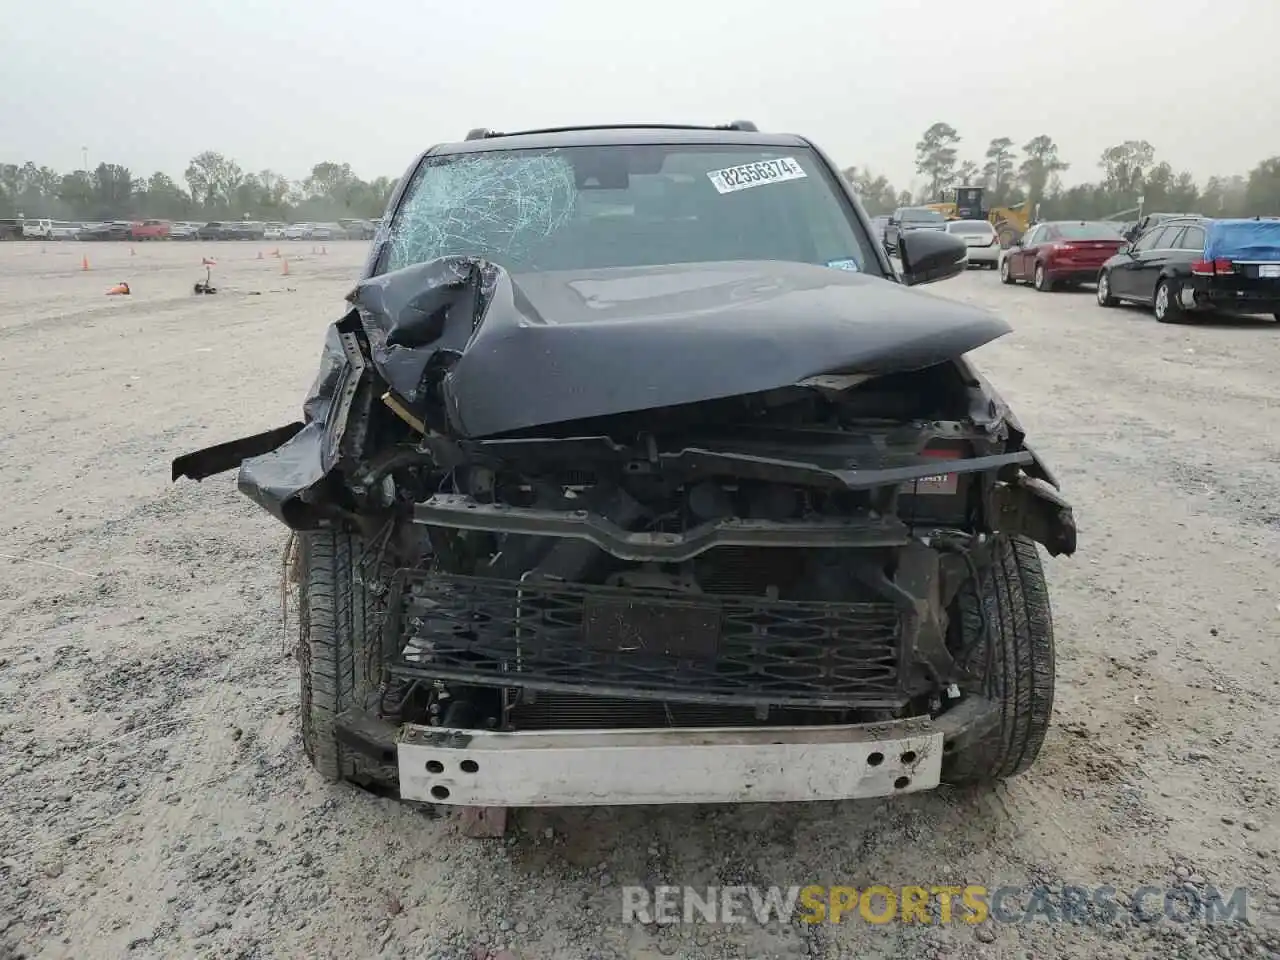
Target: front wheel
(1004, 628)
(1042, 281)
(1006, 276)
(1105, 299)
(1166, 303)
(339, 656)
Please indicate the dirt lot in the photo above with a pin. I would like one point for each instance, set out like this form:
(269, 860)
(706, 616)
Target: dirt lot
(156, 803)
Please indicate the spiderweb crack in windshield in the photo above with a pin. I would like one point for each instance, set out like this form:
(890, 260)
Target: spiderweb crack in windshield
(496, 206)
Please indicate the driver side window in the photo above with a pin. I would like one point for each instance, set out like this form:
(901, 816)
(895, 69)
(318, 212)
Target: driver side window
(1034, 237)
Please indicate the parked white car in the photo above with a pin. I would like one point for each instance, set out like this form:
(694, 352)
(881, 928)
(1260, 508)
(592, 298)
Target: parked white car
(981, 240)
(37, 229)
(65, 230)
(297, 231)
(274, 231)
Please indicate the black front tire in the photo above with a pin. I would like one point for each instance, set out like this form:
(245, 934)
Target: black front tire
(339, 653)
(1042, 281)
(1012, 598)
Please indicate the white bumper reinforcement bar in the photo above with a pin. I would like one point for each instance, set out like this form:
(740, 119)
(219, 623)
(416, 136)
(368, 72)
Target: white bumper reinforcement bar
(561, 768)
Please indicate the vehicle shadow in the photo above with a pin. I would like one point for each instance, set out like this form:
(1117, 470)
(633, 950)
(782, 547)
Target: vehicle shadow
(1220, 321)
(1228, 321)
(724, 843)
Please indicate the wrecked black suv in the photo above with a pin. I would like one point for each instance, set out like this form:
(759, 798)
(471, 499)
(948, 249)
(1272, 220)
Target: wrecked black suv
(635, 473)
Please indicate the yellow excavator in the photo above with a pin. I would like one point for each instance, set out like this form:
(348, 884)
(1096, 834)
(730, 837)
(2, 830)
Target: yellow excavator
(1010, 222)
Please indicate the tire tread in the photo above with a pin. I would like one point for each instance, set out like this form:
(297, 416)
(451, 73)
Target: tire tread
(1014, 595)
(336, 651)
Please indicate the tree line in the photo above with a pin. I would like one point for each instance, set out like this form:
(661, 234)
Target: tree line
(1128, 171)
(215, 188)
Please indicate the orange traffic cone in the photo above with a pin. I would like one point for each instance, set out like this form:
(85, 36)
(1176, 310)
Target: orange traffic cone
(285, 264)
(84, 263)
(131, 251)
(324, 251)
(276, 253)
(119, 290)
(259, 254)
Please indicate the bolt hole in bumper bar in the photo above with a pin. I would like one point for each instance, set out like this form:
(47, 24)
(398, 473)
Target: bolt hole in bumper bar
(563, 768)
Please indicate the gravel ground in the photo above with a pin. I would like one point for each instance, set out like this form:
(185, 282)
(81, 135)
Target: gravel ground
(156, 803)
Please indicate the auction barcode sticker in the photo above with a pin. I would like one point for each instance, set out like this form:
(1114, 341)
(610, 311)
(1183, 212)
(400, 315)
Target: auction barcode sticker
(748, 175)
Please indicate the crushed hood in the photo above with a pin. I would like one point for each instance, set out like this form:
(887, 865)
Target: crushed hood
(500, 352)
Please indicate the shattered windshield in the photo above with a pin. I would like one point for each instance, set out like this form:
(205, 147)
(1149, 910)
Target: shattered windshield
(579, 208)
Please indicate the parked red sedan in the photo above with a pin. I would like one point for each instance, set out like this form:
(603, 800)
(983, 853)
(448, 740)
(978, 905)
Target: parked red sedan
(1061, 251)
(149, 230)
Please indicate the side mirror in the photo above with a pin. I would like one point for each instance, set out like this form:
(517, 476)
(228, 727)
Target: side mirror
(931, 255)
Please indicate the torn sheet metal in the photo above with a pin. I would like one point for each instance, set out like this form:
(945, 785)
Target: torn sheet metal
(214, 460)
(470, 351)
(284, 480)
(420, 319)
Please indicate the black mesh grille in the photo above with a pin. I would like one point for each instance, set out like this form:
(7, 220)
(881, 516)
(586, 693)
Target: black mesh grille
(614, 642)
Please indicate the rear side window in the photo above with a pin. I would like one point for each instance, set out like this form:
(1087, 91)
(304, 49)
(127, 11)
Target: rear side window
(1147, 240)
(1169, 239)
(1193, 239)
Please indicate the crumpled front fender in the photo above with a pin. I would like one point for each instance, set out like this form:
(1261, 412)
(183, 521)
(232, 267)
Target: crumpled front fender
(1031, 507)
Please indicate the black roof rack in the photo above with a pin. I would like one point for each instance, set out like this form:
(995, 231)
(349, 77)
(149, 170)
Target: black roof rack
(484, 133)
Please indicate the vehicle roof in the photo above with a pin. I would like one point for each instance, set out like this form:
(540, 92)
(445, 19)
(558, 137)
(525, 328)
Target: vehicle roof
(619, 135)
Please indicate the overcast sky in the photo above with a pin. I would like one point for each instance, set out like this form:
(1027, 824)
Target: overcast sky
(286, 83)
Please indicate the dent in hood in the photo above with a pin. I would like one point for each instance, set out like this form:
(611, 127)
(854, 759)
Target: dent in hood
(479, 352)
(472, 352)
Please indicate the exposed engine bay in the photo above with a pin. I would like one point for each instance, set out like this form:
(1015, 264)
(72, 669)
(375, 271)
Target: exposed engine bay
(775, 532)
